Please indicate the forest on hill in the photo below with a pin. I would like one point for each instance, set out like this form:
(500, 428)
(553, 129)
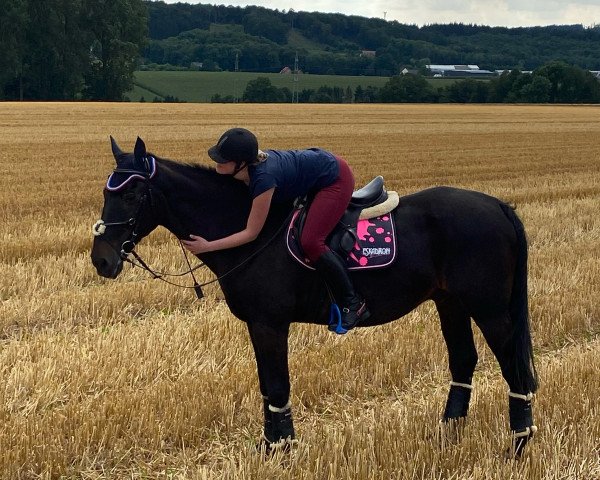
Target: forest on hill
(82, 50)
(211, 37)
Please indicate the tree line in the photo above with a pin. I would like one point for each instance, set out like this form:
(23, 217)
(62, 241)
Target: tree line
(89, 49)
(70, 49)
(555, 82)
(266, 40)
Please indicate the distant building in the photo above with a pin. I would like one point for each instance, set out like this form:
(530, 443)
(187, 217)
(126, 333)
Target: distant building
(446, 68)
(288, 71)
(469, 73)
(406, 71)
(368, 53)
(459, 71)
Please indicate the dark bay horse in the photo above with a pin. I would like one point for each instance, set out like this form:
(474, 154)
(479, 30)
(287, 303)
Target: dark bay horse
(464, 250)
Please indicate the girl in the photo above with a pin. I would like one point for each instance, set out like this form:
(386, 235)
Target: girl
(280, 175)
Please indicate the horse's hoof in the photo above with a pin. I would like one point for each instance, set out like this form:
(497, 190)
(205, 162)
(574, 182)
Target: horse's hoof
(268, 448)
(520, 440)
(450, 431)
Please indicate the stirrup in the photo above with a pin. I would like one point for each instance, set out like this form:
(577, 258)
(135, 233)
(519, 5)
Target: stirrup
(335, 320)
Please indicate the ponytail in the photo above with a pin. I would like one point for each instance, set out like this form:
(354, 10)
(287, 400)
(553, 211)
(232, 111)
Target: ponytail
(261, 157)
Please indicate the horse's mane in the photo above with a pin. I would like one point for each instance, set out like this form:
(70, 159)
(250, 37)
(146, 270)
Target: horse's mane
(226, 193)
(195, 177)
(183, 166)
(196, 171)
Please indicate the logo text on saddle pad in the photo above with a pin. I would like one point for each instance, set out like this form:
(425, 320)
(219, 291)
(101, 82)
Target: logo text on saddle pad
(375, 246)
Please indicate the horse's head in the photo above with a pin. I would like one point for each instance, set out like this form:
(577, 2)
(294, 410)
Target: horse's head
(127, 215)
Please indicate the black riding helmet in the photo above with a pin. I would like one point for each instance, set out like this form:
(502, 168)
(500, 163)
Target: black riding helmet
(235, 145)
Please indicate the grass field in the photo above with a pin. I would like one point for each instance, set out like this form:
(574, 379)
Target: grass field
(201, 86)
(132, 378)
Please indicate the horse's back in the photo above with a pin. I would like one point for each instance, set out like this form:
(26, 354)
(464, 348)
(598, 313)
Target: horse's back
(455, 214)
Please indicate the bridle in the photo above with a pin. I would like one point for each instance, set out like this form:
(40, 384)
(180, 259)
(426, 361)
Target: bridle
(127, 247)
(127, 250)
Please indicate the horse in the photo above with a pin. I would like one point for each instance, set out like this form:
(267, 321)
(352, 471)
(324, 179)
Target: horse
(464, 250)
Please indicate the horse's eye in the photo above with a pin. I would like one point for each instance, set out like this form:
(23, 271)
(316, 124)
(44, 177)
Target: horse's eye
(129, 197)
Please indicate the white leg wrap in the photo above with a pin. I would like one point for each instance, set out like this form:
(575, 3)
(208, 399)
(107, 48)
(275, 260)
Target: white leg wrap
(526, 398)
(527, 432)
(285, 408)
(464, 385)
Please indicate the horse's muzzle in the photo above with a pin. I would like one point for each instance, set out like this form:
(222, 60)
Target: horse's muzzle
(106, 269)
(107, 262)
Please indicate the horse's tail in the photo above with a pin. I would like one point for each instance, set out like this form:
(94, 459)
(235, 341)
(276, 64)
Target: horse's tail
(522, 363)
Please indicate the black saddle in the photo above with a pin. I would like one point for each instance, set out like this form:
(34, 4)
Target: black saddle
(344, 236)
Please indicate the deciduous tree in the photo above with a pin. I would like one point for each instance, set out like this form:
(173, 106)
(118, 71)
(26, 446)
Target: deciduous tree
(118, 29)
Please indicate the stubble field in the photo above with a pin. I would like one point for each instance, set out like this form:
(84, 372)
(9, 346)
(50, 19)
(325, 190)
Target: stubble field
(133, 378)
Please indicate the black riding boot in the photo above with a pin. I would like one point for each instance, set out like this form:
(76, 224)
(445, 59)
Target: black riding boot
(353, 308)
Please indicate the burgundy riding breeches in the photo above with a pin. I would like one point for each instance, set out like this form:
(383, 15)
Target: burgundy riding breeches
(325, 212)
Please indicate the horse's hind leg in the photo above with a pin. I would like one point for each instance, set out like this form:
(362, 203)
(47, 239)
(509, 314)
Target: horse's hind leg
(498, 332)
(462, 356)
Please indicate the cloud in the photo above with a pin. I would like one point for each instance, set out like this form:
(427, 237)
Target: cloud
(509, 13)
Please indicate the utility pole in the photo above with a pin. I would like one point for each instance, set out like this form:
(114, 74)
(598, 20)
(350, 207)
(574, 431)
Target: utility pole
(235, 92)
(384, 14)
(295, 89)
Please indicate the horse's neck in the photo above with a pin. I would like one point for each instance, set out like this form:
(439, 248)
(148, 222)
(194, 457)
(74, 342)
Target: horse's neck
(200, 201)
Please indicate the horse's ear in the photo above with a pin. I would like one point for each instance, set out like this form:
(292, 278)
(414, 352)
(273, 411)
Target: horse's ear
(115, 148)
(139, 151)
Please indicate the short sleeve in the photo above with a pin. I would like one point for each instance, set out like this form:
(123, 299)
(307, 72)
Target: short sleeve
(262, 182)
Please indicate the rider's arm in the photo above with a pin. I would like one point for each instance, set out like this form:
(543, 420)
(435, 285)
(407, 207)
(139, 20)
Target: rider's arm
(256, 221)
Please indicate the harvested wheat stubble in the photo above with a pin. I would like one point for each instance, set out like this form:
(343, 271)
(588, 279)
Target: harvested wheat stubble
(136, 379)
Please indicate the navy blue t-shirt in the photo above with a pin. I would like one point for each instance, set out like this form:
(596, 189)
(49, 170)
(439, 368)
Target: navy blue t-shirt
(293, 173)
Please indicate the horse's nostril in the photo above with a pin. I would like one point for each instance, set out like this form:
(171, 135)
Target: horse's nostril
(99, 263)
(104, 267)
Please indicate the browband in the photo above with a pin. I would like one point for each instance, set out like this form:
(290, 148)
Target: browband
(114, 183)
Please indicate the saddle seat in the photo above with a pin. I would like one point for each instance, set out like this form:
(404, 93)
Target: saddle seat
(371, 194)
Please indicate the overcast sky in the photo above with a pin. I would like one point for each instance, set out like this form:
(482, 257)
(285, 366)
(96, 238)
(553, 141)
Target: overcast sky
(510, 13)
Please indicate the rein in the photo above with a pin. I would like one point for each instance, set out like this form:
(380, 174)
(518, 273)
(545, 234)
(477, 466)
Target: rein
(128, 246)
(198, 286)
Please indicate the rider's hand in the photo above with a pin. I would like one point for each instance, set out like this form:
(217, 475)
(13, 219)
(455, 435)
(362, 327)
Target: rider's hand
(197, 244)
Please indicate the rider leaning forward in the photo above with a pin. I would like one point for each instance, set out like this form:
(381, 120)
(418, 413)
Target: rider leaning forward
(283, 175)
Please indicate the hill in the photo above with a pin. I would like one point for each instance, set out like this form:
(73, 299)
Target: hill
(211, 37)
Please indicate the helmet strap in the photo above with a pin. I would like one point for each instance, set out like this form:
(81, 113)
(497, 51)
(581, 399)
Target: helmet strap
(239, 168)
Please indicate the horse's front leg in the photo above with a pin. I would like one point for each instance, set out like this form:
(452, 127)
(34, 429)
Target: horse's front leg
(271, 350)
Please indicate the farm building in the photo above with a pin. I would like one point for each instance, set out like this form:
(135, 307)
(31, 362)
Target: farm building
(459, 71)
(469, 73)
(445, 68)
